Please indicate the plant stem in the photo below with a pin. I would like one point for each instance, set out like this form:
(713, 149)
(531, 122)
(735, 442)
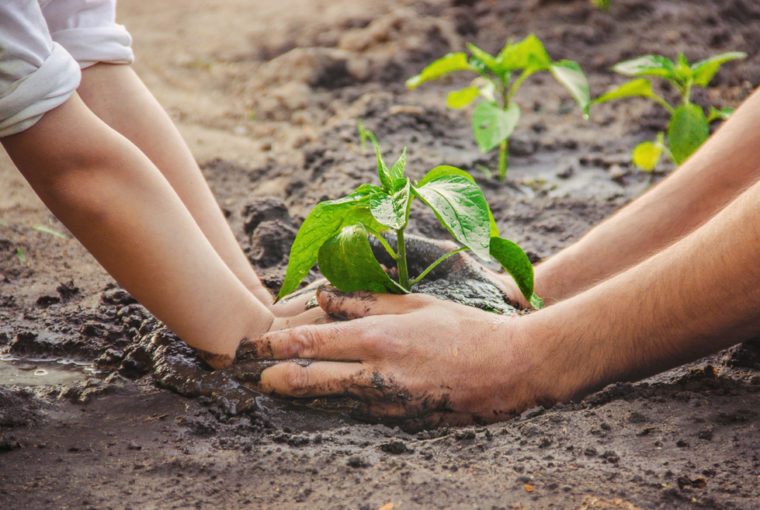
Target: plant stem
(385, 244)
(431, 266)
(403, 272)
(503, 160)
(516, 85)
(664, 103)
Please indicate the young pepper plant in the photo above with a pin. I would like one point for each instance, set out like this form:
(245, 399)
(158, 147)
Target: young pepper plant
(496, 116)
(688, 126)
(336, 233)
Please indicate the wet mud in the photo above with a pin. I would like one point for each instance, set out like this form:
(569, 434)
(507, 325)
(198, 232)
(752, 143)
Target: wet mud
(139, 420)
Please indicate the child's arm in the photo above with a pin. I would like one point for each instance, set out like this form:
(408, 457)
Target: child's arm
(118, 204)
(117, 95)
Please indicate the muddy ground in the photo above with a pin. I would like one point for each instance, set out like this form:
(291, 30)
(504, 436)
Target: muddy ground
(267, 95)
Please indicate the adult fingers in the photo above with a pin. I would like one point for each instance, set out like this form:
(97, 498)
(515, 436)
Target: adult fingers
(317, 379)
(346, 340)
(353, 305)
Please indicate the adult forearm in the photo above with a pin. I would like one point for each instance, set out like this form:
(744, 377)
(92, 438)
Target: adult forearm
(697, 296)
(718, 172)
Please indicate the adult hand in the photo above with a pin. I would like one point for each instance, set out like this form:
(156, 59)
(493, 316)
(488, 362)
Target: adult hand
(462, 266)
(414, 359)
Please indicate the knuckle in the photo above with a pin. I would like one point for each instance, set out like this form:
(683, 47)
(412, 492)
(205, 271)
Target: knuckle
(417, 300)
(296, 379)
(308, 342)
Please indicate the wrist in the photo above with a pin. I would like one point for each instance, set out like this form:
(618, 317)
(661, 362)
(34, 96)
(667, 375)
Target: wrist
(558, 353)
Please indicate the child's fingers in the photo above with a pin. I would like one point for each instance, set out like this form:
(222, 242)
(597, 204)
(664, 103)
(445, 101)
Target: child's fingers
(310, 316)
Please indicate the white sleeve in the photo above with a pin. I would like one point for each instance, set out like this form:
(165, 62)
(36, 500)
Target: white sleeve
(88, 30)
(36, 74)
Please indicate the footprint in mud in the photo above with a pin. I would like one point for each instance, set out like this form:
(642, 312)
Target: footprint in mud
(176, 366)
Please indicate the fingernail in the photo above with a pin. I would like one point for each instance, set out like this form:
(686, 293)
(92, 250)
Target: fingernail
(255, 349)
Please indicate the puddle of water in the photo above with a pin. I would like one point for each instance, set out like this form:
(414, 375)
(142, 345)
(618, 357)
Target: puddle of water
(42, 371)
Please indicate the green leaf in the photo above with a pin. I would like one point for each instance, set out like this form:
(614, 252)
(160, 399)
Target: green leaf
(682, 70)
(397, 170)
(20, 256)
(347, 261)
(491, 125)
(536, 302)
(323, 222)
(383, 172)
(443, 170)
(463, 97)
(687, 130)
(705, 70)
(640, 87)
(391, 210)
(646, 155)
(719, 113)
(514, 260)
(460, 206)
(444, 65)
(488, 60)
(570, 74)
(526, 54)
(647, 65)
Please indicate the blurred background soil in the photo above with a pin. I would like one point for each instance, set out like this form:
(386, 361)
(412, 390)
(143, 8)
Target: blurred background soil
(267, 95)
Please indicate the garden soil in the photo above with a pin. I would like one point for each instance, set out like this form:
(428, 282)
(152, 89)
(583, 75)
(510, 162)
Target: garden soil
(100, 408)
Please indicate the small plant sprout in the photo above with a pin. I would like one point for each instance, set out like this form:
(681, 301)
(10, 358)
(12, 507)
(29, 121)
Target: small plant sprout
(364, 135)
(336, 233)
(496, 116)
(688, 127)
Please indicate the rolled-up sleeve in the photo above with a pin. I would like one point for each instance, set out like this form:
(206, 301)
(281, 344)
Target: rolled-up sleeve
(36, 73)
(88, 30)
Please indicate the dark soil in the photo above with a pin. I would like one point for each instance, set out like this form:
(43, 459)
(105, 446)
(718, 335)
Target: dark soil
(134, 419)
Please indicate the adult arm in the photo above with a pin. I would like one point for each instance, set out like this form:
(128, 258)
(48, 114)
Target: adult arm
(718, 172)
(423, 360)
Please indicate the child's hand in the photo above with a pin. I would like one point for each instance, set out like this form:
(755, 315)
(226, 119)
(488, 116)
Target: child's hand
(298, 302)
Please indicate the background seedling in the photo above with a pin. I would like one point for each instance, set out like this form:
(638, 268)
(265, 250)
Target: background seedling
(364, 135)
(496, 115)
(335, 233)
(688, 127)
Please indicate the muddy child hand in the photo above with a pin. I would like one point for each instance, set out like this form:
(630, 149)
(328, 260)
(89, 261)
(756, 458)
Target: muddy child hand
(299, 301)
(412, 359)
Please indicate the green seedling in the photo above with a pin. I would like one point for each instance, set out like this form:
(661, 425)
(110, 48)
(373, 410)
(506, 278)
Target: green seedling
(602, 4)
(495, 117)
(336, 233)
(688, 126)
(20, 256)
(364, 135)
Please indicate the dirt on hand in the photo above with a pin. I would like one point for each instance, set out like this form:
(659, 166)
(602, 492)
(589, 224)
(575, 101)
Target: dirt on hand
(102, 407)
